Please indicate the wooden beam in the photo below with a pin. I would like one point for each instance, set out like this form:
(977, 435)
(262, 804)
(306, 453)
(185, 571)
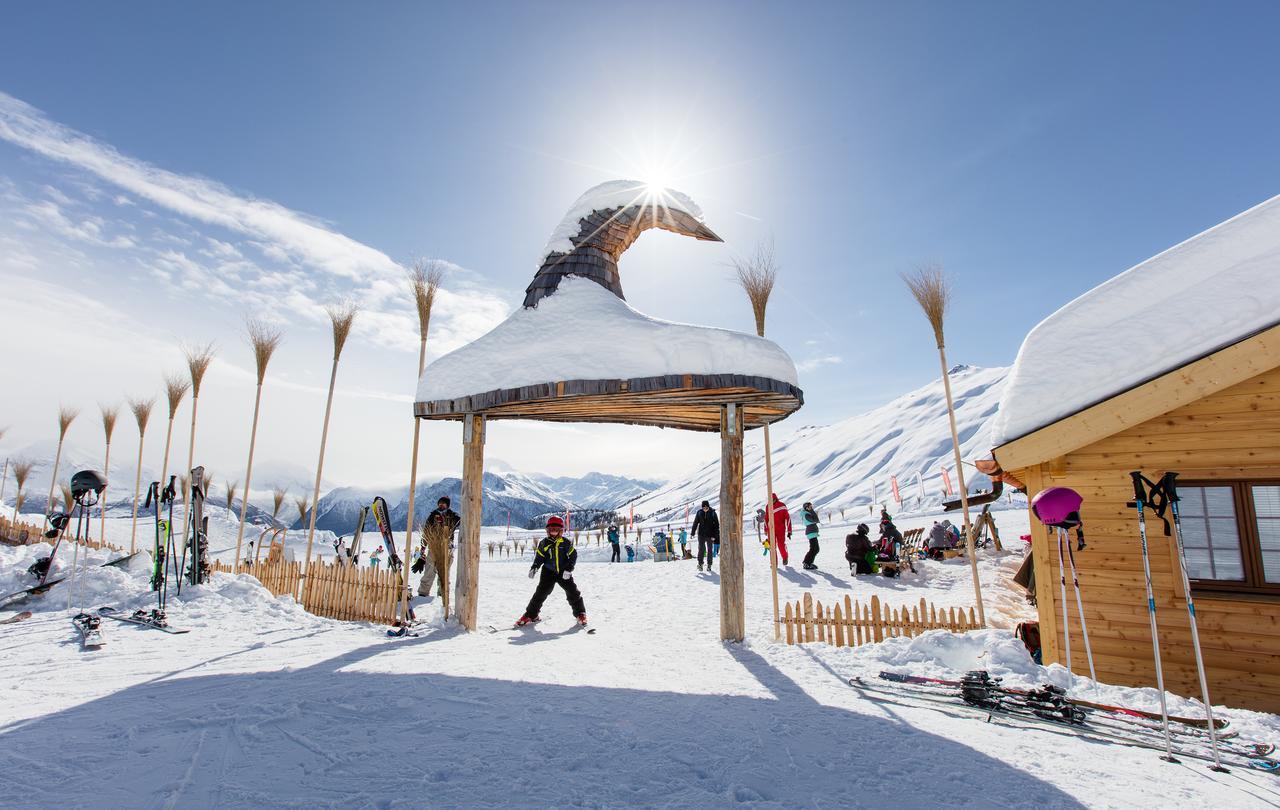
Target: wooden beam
(467, 590)
(1196, 380)
(733, 619)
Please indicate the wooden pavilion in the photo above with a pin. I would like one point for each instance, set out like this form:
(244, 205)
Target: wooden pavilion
(709, 395)
(1209, 410)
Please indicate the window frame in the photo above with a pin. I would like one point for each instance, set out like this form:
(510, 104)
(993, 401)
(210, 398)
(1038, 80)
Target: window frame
(1254, 583)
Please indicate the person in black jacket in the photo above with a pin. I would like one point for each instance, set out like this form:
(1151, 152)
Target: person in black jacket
(857, 547)
(706, 527)
(441, 519)
(556, 558)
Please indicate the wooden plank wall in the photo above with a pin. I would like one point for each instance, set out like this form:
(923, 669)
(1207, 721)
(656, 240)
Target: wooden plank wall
(1230, 435)
(853, 624)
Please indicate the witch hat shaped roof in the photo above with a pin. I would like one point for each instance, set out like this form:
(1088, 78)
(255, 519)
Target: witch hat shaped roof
(576, 351)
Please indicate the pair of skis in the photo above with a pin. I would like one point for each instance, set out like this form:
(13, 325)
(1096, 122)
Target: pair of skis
(154, 619)
(1054, 714)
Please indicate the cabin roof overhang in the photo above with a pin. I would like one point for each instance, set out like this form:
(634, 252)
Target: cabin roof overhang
(685, 401)
(1221, 368)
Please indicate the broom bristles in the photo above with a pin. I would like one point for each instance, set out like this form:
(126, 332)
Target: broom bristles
(232, 486)
(142, 412)
(265, 339)
(175, 388)
(341, 316)
(303, 504)
(109, 415)
(199, 358)
(757, 275)
(277, 500)
(425, 277)
(22, 471)
(932, 290)
(67, 498)
(66, 416)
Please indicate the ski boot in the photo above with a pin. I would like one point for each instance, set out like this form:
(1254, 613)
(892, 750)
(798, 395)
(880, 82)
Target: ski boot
(699, 567)
(523, 620)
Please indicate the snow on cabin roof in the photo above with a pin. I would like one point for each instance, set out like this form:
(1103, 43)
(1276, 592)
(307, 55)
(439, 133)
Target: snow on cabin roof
(1195, 298)
(585, 332)
(612, 194)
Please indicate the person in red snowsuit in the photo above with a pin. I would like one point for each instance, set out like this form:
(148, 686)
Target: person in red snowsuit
(781, 527)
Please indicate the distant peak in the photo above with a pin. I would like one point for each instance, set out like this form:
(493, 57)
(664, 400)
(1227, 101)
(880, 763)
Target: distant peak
(958, 368)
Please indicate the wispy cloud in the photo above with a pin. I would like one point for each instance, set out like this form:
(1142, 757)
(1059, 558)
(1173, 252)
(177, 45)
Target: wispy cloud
(814, 363)
(283, 256)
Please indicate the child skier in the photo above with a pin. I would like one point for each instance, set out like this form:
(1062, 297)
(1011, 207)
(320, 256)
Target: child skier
(556, 558)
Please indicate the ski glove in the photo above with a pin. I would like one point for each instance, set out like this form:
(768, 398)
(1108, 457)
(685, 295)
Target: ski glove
(533, 572)
(419, 566)
(567, 576)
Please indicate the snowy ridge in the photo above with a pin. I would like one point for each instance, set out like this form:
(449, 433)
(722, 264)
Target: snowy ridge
(1199, 296)
(833, 466)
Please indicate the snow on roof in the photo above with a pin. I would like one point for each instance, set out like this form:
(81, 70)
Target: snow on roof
(1193, 299)
(613, 194)
(584, 332)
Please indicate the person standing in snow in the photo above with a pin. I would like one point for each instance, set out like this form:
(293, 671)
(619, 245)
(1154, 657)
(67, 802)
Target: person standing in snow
(613, 541)
(553, 564)
(442, 519)
(810, 516)
(706, 528)
(684, 544)
(859, 551)
(780, 531)
(375, 557)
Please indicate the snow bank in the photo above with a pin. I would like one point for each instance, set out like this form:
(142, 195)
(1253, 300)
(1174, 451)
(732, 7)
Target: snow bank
(584, 332)
(1191, 300)
(613, 194)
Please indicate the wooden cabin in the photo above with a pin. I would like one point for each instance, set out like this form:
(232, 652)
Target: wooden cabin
(1214, 418)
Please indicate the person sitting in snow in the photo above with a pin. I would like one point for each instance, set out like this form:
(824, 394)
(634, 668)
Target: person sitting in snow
(859, 552)
(890, 539)
(553, 564)
(938, 541)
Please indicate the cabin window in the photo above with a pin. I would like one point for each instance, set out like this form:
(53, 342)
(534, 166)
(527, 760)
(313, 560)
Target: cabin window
(1231, 535)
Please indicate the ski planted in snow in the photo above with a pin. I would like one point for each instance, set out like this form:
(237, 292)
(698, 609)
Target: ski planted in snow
(90, 629)
(383, 518)
(198, 537)
(147, 618)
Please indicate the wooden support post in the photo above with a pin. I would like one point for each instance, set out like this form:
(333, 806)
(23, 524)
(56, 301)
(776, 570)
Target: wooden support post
(733, 618)
(468, 578)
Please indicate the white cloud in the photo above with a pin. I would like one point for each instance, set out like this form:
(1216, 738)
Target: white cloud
(814, 363)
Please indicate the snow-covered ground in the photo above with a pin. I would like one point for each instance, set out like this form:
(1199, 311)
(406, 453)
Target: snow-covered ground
(264, 705)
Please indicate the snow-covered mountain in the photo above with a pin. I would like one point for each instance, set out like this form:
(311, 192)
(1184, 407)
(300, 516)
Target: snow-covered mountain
(834, 466)
(597, 490)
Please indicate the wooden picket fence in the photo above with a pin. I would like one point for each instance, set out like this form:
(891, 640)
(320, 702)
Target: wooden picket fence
(20, 533)
(331, 590)
(853, 624)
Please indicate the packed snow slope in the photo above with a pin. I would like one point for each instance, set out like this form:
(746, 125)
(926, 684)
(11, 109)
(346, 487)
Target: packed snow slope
(1199, 296)
(834, 465)
(265, 706)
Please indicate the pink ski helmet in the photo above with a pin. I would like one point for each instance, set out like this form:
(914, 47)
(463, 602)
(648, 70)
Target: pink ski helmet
(1057, 506)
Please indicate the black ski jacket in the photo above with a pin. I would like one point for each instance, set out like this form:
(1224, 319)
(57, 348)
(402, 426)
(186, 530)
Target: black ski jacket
(443, 517)
(706, 525)
(856, 546)
(557, 555)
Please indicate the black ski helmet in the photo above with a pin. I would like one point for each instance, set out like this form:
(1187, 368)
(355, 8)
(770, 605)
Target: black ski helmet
(87, 481)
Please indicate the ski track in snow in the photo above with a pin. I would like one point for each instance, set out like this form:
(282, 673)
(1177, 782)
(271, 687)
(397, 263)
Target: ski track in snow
(265, 706)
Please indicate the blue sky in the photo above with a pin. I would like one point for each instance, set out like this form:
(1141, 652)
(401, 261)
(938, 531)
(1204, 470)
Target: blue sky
(178, 167)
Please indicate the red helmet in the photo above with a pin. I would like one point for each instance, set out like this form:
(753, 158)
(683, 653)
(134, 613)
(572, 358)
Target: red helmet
(556, 521)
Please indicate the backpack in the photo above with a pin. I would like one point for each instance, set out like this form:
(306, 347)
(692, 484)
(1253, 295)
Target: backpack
(1029, 634)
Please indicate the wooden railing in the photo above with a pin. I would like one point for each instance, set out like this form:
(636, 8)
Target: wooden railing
(853, 624)
(20, 533)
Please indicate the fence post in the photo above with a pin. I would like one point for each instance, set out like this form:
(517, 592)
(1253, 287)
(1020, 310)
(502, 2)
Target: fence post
(877, 631)
(789, 621)
(837, 626)
(808, 617)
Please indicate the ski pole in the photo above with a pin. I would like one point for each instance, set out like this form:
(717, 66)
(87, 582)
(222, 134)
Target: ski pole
(1167, 482)
(1062, 580)
(1084, 628)
(75, 554)
(1140, 499)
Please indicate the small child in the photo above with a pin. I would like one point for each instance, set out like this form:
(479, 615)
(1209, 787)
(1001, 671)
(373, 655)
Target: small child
(375, 557)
